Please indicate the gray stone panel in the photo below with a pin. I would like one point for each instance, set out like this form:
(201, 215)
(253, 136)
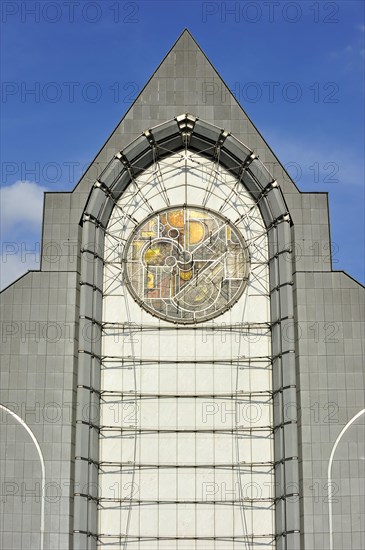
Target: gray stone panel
(39, 339)
(330, 363)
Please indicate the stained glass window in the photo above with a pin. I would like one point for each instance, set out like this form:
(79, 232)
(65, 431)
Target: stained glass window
(186, 264)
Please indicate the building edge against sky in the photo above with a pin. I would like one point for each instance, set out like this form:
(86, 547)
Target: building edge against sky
(51, 348)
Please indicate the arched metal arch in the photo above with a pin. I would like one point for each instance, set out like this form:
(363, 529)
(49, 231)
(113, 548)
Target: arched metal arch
(187, 132)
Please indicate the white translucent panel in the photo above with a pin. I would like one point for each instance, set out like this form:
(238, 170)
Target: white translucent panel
(186, 440)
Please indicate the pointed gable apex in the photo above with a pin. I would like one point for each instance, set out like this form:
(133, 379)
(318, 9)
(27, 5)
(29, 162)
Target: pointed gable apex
(185, 82)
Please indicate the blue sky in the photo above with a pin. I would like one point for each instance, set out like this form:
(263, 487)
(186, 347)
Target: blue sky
(297, 68)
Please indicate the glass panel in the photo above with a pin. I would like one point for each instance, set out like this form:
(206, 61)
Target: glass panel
(186, 264)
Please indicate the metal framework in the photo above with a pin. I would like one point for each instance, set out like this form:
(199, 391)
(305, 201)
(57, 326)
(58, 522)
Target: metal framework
(130, 188)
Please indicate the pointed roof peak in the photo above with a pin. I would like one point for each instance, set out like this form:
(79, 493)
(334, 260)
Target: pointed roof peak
(184, 40)
(184, 32)
(185, 81)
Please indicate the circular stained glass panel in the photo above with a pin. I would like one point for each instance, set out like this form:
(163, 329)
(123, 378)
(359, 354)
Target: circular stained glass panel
(186, 264)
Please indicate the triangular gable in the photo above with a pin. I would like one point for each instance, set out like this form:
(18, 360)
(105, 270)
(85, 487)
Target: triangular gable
(185, 81)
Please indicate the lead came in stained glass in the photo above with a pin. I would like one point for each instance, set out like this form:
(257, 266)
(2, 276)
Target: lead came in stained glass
(186, 264)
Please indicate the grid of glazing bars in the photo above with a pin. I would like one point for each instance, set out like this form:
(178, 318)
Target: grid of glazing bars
(136, 435)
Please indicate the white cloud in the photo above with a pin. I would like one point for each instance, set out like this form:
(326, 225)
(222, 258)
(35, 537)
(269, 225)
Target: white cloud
(21, 209)
(21, 204)
(348, 55)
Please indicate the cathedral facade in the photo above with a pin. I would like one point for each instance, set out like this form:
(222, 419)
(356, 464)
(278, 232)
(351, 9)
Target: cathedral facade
(185, 370)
